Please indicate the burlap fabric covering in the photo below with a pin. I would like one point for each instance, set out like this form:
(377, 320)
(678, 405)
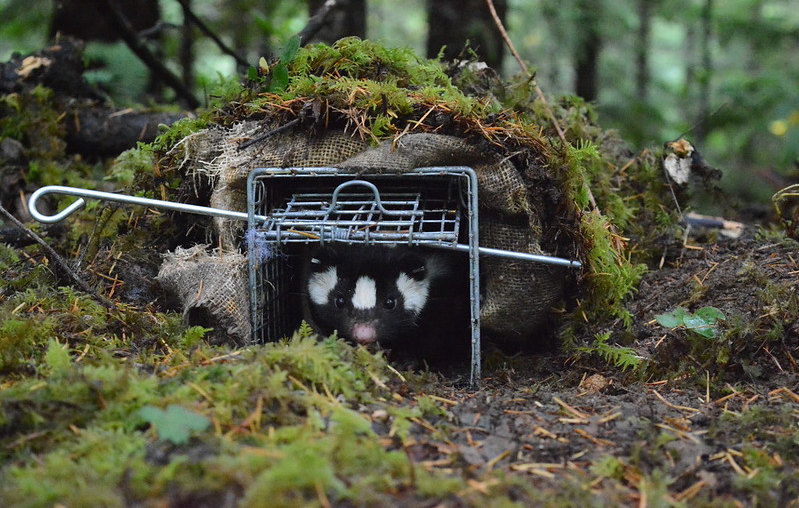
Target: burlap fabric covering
(211, 285)
(516, 296)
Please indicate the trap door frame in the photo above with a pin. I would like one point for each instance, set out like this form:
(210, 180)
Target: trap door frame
(465, 173)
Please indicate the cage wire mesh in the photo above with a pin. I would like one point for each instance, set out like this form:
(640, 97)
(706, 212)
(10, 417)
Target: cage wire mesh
(288, 208)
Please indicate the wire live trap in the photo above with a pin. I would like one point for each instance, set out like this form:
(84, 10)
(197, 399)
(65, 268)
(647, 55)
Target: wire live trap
(423, 207)
(433, 207)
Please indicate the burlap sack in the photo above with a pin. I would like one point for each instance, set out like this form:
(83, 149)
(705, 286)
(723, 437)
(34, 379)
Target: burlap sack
(516, 296)
(213, 288)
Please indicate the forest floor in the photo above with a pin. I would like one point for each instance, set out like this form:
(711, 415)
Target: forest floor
(694, 419)
(593, 434)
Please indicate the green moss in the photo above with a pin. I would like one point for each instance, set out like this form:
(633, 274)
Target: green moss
(32, 118)
(170, 135)
(378, 89)
(132, 163)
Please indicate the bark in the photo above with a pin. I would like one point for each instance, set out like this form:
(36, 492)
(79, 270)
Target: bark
(453, 23)
(187, 47)
(91, 128)
(107, 132)
(586, 59)
(642, 76)
(347, 20)
(58, 67)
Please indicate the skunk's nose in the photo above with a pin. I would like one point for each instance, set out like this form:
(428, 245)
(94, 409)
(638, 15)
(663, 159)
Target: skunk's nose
(364, 333)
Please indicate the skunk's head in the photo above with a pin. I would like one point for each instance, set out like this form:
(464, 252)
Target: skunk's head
(369, 294)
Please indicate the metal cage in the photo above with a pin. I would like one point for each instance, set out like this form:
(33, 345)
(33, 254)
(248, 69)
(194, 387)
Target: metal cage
(422, 207)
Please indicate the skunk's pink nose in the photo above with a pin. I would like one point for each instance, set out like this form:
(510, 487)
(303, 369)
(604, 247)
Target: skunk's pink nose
(364, 333)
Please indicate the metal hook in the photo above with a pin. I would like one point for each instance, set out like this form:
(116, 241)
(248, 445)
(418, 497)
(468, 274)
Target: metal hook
(372, 187)
(120, 198)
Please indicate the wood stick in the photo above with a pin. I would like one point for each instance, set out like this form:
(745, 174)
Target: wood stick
(53, 256)
(195, 20)
(538, 91)
(318, 20)
(146, 56)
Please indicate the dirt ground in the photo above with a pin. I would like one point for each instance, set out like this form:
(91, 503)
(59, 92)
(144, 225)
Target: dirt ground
(691, 427)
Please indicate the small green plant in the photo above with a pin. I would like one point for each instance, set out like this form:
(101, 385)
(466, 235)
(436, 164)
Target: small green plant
(702, 322)
(618, 356)
(276, 78)
(175, 424)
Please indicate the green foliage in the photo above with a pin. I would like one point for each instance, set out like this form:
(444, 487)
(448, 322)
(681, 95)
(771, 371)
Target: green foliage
(620, 357)
(175, 424)
(131, 163)
(379, 87)
(57, 358)
(702, 322)
(608, 467)
(192, 337)
(613, 276)
(19, 339)
(32, 119)
(276, 78)
(170, 135)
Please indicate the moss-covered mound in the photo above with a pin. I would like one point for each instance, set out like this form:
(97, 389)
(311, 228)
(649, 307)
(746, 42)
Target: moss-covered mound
(127, 406)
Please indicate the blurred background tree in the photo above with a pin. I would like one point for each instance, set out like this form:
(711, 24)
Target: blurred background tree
(723, 74)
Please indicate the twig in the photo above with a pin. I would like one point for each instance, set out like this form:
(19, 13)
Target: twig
(56, 259)
(156, 29)
(518, 58)
(207, 31)
(674, 406)
(280, 129)
(318, 20)
(146, 56)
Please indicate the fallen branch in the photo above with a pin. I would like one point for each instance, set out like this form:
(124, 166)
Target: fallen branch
(57, 260)
(207, 31)
(108, 132)
(318, 20)
(146, 56)
(271, 133)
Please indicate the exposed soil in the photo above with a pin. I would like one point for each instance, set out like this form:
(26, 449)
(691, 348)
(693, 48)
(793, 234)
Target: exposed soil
(710, 430)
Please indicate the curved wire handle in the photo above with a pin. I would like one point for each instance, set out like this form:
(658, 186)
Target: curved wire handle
(119, 198)
(372, 187)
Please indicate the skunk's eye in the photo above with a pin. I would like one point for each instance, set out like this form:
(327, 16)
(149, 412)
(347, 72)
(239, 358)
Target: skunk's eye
(389, 303)
(339, 301)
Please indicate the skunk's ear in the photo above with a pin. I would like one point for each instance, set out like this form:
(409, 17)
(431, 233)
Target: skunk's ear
(414, 265)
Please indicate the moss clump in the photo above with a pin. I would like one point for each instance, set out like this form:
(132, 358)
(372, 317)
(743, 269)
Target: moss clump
(284, 426)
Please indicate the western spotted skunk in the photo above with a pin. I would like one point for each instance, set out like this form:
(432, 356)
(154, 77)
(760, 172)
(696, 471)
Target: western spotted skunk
(409, 300)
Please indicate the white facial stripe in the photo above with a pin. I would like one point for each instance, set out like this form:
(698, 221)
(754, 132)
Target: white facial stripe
(321, 284)
(413, 291)
(365, 296)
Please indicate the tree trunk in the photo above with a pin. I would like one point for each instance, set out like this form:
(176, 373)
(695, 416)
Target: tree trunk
(348, 20)
(690, 65)
(552, 71)
(586, 59)
(453, 23)
(703, 119)
(642, 50)
(187, 49)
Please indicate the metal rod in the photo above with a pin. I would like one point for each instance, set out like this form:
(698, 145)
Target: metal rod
(120, 198)
(510, 254)
(229, 214)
